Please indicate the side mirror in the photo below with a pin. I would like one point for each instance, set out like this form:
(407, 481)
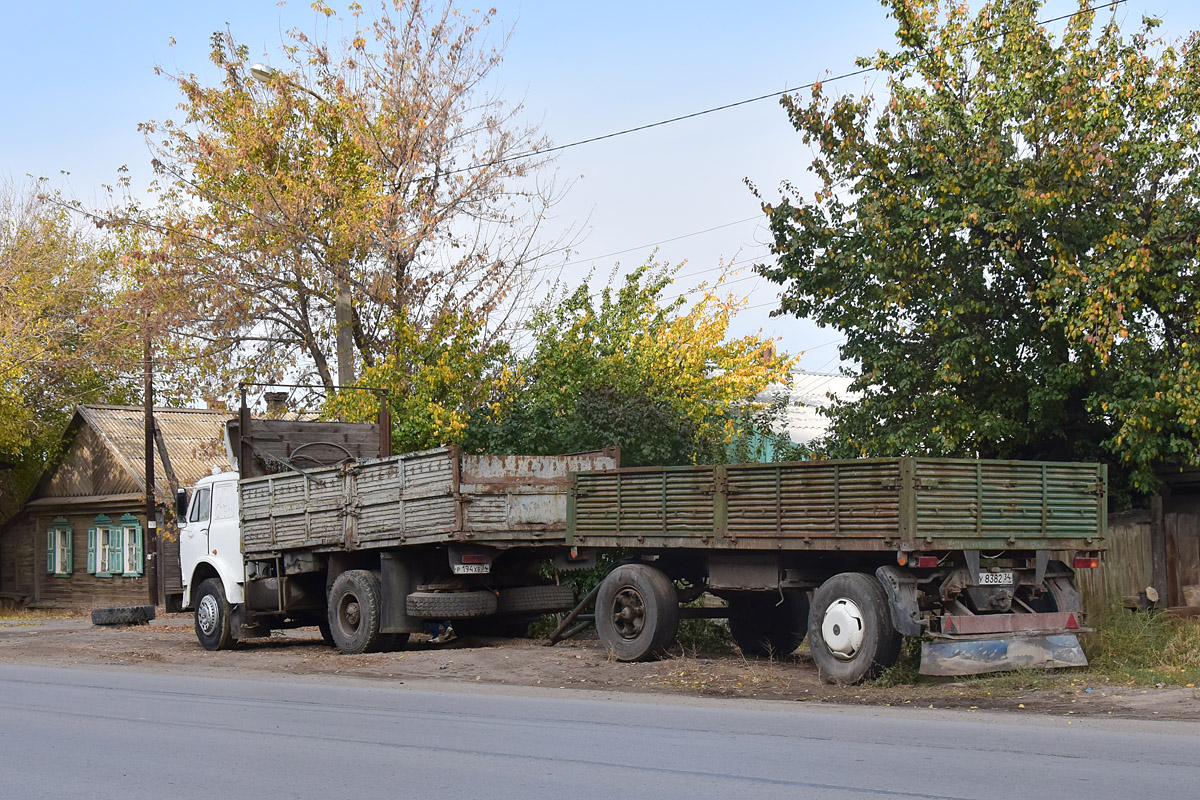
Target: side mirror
(181, 500)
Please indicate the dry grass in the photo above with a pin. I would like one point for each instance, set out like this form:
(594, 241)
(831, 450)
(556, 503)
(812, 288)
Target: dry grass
(11, 613)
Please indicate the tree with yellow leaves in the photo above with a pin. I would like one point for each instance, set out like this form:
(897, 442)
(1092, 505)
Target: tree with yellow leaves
(626, 367)
(67, 335)
(371, 170)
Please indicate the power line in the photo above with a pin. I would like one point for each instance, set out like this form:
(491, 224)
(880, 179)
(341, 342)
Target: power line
(768, 96)
(645, 246)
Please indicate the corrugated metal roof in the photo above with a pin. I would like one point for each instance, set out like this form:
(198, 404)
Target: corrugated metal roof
(809, 392)
(194, 438)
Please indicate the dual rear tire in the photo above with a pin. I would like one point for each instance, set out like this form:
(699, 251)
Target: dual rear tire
(355, 611)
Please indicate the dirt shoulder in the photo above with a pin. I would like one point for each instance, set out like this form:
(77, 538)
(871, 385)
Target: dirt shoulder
(169, 645)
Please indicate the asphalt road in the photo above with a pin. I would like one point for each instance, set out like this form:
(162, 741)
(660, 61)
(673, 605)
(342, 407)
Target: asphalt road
(87, 732)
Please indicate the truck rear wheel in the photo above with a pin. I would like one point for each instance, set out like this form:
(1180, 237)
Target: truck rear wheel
(765, 625)
(637, 612)
(850, 629)
(212, 616)
(354, 611)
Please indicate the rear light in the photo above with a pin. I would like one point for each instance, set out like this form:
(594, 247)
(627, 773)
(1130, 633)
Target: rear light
(476, 558)
(927, 562)
(1086, 562)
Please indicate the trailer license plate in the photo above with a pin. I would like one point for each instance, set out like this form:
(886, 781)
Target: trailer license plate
(995, 579)
(471, 569)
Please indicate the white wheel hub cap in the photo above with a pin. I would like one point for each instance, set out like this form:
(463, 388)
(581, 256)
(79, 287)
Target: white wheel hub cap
(842, 628)
(207, 613)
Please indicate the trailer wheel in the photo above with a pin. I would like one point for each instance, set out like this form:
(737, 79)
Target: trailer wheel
(451, 605)
(637, 612)
(536, 599)
(212, 616)
(850, 629)
(354, 611)
(765, 625)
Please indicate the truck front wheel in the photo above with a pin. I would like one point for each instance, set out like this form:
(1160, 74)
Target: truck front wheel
(637, 612)
(354, 611)
(212, 616)
(850, 629)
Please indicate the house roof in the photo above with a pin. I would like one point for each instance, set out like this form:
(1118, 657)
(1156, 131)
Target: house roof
(194, 440)
(809, 392)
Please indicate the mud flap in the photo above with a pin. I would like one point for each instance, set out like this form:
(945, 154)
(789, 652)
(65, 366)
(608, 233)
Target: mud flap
(957, 657)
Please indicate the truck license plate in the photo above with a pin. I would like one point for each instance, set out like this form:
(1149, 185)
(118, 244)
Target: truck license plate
(995, 579)
(471, 569)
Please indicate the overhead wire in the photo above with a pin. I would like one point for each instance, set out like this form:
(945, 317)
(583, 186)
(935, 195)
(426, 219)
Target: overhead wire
(747, 101)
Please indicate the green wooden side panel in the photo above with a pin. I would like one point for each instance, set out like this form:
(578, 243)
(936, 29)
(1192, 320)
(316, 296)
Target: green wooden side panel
(1005, 504)
(856, 505)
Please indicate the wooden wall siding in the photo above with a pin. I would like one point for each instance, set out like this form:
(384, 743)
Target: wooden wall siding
(168, 563)
(80, 590)
(1126, 570)
(89, 468)
(16, 559)
(1183, 558)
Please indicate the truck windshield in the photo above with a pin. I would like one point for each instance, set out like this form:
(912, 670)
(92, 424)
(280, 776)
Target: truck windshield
(200, 505)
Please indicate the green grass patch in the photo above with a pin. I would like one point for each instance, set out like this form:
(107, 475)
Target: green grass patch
(1143, 647)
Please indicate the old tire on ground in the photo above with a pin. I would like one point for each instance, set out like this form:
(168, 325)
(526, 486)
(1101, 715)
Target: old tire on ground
(765, 625)
(637, 612)
(850, 629)
(535, 599)
(122, 615)
(354, 611)
(451, 605)
(212, 616)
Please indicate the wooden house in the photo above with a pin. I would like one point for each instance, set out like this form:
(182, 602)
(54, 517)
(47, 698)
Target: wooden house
(79, 539)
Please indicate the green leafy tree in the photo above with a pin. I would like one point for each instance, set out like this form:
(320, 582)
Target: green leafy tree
(1007, 240)
(433, 382)
(630, 368)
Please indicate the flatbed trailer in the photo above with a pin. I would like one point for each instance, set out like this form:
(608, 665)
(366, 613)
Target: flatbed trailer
(967, 554)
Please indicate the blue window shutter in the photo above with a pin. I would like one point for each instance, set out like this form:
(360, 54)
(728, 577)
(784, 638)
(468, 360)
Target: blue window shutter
(69, 567)
(91, 558)
(131, 535)
(139, 562)
(51, 544)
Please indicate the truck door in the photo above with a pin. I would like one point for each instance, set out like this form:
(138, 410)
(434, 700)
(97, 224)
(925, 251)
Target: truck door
(193, 539)
(224, 533)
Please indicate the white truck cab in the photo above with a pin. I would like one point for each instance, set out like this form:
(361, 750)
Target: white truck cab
(210, 539)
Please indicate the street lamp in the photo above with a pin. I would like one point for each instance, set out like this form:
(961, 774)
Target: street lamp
(342, 309)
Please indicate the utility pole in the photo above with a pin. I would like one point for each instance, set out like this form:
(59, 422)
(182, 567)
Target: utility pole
(151, 540)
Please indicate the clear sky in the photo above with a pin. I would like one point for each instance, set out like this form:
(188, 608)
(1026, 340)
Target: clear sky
(80, 77)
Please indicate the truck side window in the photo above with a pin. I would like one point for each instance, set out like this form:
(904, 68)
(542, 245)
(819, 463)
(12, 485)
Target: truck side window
(200, 505)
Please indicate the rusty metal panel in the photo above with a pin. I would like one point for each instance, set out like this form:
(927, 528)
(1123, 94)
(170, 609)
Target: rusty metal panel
(957, 657)
(974, 625)
(517, 497)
